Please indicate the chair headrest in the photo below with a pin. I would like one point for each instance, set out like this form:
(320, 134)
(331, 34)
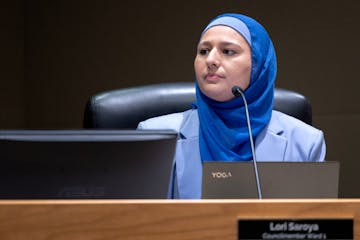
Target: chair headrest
(125, 108)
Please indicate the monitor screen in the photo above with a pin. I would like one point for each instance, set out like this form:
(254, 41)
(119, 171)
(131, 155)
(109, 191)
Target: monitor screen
(85, 164)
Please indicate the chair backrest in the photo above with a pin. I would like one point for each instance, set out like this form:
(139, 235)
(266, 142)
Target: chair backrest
(125, 108)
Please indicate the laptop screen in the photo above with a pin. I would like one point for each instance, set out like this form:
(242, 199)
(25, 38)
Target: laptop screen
(277, 179)
(82, 164)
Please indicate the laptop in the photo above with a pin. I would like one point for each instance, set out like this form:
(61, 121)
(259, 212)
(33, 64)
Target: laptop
(85, 164)
(277, 179)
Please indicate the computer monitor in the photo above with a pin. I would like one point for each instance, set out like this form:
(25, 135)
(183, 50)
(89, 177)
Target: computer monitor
(85, 164)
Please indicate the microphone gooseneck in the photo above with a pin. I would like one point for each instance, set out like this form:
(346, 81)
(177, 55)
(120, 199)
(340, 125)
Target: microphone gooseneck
(236, 90)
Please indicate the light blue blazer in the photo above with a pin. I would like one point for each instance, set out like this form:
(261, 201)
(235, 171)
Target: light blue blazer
(285, 139)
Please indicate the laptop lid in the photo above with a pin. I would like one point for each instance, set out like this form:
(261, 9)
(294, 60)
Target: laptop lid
(277, 179)
(82, 164)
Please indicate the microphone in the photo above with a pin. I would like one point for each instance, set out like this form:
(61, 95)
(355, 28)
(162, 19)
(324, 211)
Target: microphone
(236, 90)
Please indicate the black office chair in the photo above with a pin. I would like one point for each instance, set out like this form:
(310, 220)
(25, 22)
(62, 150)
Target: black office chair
(125, 108)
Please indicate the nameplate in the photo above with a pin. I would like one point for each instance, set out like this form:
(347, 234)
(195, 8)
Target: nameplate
(299, 229)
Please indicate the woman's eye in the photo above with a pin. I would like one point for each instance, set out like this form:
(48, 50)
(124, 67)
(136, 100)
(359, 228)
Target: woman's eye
(203, 51)
(228, 52)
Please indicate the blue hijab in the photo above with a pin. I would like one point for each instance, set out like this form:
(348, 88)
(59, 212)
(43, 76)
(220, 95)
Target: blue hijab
(223, 133)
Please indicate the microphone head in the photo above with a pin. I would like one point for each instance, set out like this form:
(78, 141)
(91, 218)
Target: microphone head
(236, 90)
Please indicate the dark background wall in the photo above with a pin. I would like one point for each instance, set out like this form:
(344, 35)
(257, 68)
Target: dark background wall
(12, 65)
(55, 54)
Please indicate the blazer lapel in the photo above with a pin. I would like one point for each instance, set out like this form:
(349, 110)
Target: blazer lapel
(271, 141)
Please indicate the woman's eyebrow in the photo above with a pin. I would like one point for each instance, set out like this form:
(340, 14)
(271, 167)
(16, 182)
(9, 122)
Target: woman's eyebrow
(206, 43)
(224, 43)
(230, 44)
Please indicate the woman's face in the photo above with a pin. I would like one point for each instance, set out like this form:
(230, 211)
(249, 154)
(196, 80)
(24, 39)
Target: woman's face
(223, 60)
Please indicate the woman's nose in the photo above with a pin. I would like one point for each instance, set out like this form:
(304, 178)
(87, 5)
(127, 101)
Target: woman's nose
(213, 60)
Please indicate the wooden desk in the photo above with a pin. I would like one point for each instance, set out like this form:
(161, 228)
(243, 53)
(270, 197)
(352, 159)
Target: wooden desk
(156, 219)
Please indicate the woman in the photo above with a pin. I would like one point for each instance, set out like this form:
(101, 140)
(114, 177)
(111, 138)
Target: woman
(234, 50)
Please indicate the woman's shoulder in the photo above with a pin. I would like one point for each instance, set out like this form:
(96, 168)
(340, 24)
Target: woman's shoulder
(304, 142)
(171, 121)
(289, 125)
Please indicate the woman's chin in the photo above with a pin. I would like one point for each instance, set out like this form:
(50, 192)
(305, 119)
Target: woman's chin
(219, 96)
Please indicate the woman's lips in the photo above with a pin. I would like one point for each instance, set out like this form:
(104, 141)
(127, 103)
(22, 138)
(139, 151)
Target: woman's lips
(213, 77)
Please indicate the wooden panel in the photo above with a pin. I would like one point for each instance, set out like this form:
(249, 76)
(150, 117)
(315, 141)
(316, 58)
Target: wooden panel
(152, 219)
